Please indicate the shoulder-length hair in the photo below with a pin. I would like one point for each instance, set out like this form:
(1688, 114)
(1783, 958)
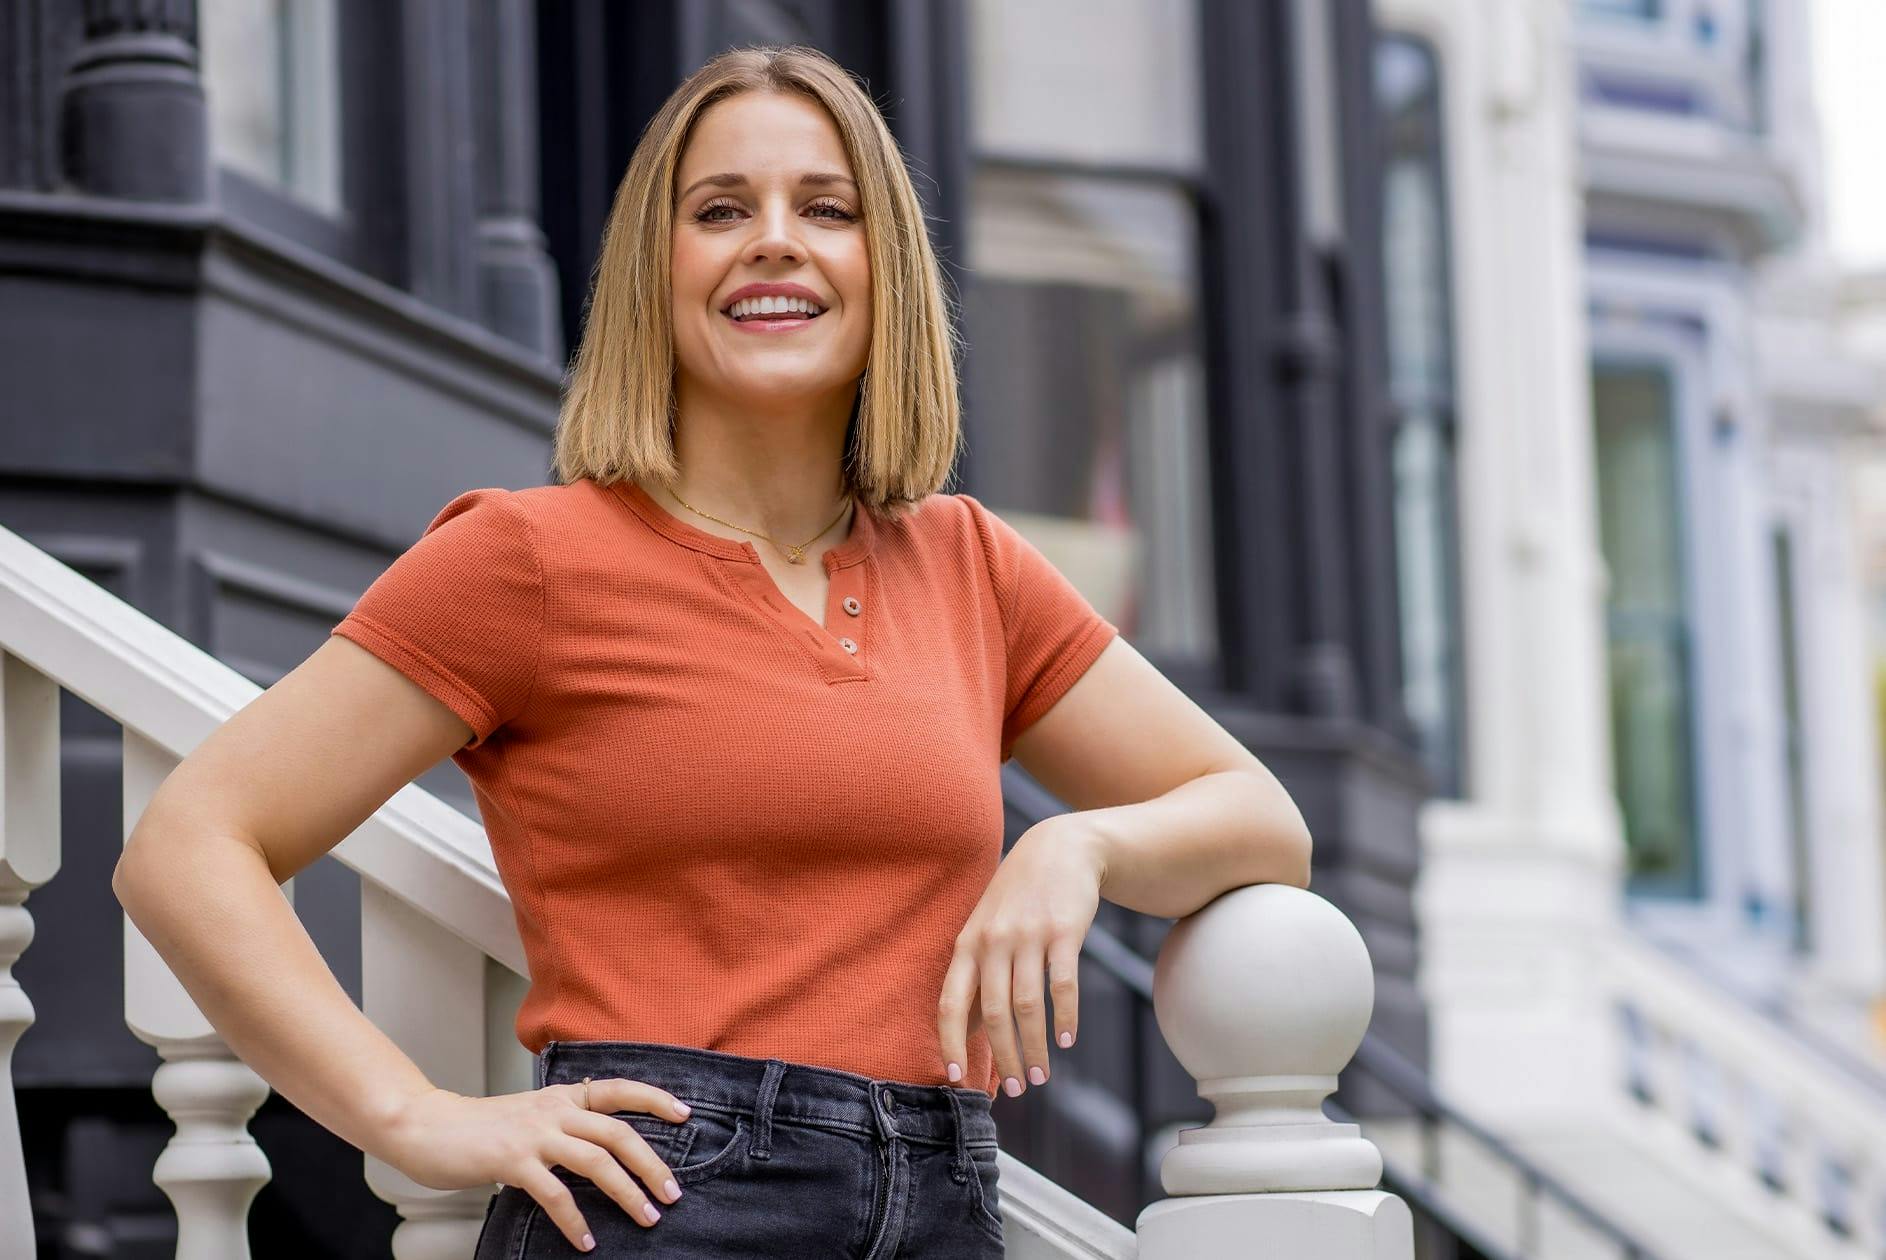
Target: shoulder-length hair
(618, 413)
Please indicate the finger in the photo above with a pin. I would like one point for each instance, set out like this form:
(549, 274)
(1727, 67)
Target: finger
(631, 1151)
(998, 1017)
(1064, 972)
(599, 1164)
(952, 1012)
(617, 1093)
(558, 1203)
(1030, 1006)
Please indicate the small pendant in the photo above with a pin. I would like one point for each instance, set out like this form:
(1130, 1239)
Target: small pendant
(795, 555)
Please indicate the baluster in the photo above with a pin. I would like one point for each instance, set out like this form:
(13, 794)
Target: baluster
(1264, 995)
(29, 857)
(1664, 1068)
(1867, 1217)
(1737, 1122)
(211, 1168)
(425, 987)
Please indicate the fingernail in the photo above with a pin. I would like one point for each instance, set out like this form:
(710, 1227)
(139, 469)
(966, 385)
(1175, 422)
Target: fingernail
(1013, 1086)
(653, 1215)
(589, 1242)
(684, 1109)
(956, 1073)
(674, 1191)
(1067, 1039)
(1038, 1076)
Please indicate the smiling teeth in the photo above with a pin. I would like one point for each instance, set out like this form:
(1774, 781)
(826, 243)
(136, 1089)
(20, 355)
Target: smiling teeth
(773, 306)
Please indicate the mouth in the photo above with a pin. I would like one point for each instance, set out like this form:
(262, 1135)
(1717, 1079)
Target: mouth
(780, 322)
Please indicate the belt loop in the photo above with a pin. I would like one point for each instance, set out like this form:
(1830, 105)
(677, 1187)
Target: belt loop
(762, 1147)
(961, 1170)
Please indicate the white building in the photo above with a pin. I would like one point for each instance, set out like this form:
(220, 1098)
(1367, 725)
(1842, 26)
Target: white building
(1652, 896)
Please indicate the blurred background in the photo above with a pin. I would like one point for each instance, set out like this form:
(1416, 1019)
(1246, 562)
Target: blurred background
(1474, 404)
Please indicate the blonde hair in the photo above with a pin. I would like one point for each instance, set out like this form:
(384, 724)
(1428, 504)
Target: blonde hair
(619, 405)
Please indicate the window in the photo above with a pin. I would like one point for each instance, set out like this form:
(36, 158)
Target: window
(1084, 375)
(1648, 624)
(1642, 9)
(1781, 540)
(1419, 302)
(270, 83)
(1702, 58)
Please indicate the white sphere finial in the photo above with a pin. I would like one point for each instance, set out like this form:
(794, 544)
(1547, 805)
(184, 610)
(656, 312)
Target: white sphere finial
(1264, 995)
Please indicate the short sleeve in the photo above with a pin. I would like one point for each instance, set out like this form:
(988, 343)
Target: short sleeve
(1052, 632)
(461, 611)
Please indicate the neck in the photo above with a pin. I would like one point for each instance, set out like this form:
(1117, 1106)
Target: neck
(774, 471)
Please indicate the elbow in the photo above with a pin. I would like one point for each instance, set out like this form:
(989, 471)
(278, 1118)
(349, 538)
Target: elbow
(125, 875)
(1305, 846)
(1293, 851)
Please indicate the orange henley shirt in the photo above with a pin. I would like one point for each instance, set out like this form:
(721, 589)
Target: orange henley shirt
(719, 825)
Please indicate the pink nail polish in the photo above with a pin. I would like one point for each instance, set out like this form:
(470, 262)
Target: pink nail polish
(589, 1242)
(955, 1073)
(1013, 1086)
(1038, 1076)
(653, 1213)
(1067, 1039)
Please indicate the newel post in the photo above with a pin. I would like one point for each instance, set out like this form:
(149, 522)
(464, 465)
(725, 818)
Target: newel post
(1264, 995)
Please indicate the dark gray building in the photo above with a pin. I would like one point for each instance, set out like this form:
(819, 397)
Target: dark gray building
(278, 281)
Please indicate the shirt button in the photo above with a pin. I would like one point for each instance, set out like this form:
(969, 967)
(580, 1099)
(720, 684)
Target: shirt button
(848, 645)
(852, 605)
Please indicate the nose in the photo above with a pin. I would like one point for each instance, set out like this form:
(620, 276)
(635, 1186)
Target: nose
(775, 233)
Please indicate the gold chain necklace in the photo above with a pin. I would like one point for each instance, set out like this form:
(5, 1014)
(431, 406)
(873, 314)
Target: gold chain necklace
(794, 555)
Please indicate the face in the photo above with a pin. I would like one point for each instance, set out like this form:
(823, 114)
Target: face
(769, 225)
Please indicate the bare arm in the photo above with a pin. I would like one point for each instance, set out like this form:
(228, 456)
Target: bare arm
(265, 795)
(1176, 809)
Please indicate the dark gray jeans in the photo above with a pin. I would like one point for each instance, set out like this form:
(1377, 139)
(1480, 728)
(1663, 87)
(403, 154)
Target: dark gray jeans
(777, 1159)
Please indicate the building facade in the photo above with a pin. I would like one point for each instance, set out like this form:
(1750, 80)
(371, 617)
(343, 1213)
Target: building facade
(1651, 878)
(280, 281)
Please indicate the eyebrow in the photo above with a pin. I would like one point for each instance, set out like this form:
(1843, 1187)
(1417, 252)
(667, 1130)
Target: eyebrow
(733, 179)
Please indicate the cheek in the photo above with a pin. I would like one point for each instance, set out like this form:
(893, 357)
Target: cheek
(692, 273)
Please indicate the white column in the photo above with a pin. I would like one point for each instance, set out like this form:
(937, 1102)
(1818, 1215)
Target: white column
(1519, 877)
(1847, 882)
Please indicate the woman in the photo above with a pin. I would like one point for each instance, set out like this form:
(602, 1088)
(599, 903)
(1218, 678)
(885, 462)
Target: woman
(745, 797)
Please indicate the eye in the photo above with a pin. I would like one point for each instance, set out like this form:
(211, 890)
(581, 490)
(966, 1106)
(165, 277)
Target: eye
(706, 214)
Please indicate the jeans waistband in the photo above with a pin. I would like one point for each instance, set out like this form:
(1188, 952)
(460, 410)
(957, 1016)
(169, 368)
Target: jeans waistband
(768, 1088)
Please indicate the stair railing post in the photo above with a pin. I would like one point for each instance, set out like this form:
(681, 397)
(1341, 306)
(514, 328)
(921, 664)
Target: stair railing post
(1264, 995)
(29, 858)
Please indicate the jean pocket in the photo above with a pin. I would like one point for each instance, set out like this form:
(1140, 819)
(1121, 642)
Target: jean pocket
(988, 1196)
(669, 1139)
(705, 1145)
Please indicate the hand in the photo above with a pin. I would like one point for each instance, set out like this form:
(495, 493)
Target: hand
(1036, 909)
(450, 1141)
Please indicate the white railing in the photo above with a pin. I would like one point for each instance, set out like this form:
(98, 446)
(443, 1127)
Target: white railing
(1780, 1128)
(1263, 995)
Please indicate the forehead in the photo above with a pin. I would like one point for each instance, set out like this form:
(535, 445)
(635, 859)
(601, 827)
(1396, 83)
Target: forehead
(765, 136)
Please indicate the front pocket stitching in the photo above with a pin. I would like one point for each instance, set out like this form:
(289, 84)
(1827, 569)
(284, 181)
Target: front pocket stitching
(663, 1141)
(689, 1175)
(683, 1147)
(523, 1235)
(989, 1220)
